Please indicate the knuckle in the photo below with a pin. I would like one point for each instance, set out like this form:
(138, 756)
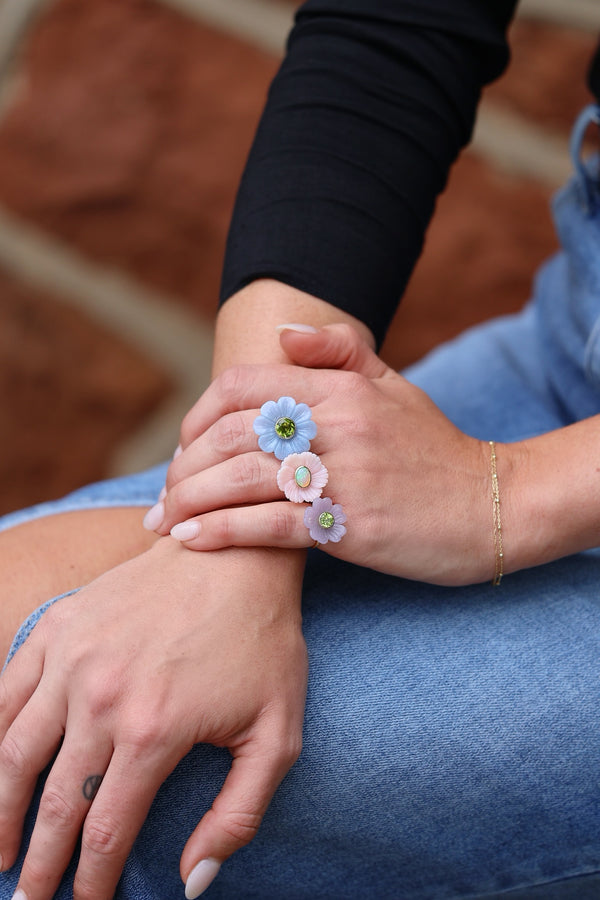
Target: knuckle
(286, 748)
(146, 735)
(242, 827)
(56, 812)
(228, 434)
(36, 874)
(282, 523)
(222, 528)
(290, 750)
(232, 383)
(85, 888)
(101, 836)
(247, 472)
(173, 476)
(103, 698)
(188, 427)
(14, 762)
(180, 498)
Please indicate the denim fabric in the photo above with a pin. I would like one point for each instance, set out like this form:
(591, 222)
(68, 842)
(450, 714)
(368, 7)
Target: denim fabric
(452, 735)
(140, 490)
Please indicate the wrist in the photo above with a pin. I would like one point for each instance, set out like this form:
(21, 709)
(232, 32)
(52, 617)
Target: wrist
(550, 494)
(246, 323)
(280, 572)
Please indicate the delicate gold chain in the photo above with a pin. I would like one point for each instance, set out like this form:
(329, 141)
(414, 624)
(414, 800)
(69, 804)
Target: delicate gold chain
(497, 522)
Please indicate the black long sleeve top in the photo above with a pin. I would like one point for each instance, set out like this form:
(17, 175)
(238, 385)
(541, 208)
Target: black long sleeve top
(371, 106)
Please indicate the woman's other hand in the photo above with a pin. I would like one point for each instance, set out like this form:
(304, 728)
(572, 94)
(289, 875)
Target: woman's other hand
(121, 680)
(416, 491)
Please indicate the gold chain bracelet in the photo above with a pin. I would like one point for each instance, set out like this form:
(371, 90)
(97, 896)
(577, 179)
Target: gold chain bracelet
(496, 520)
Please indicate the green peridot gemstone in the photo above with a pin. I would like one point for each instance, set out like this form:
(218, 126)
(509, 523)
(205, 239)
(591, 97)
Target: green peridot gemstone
(302, 476)
(285, 428)
(326, 520)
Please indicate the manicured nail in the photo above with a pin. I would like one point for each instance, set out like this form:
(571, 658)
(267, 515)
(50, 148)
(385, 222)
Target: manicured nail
(178, 451)
(163, 493)
(200, 877)
(154, 516)
(303, 329)
(19, 894)
(185, 531)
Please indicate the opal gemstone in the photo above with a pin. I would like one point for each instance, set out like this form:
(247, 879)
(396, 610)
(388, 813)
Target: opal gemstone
(285, 428)
(302, 476)
(326, 520)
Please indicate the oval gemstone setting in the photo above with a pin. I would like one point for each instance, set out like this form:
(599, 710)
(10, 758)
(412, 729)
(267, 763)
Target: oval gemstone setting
(303, 476)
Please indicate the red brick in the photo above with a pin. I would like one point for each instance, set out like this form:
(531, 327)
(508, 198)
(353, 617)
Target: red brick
(130, 135)
(69, 393)
(546, 79)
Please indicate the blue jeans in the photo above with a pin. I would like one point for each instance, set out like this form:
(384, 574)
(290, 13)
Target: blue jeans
(452, 736)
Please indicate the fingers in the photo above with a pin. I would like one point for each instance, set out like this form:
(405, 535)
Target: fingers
(278, 524)
(247, 478)
(332, 347)
(236, 814)
(27, 748)
(115, 819)
(18, 682)
(68, 795)
(229, 436)
(110, 808)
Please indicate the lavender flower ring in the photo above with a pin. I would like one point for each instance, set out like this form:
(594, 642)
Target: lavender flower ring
(284, 427)
(325, 521)
(302, 477)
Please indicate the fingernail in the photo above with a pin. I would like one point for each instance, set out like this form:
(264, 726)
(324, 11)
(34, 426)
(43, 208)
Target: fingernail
(163, 493)
(154, 516)
(19, 894)
(185, 531)
(199, 878)
(178, 451)
(303, 329)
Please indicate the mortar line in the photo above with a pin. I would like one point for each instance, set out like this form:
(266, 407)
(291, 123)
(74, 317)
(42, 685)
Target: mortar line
(264, 23)
(159, 327)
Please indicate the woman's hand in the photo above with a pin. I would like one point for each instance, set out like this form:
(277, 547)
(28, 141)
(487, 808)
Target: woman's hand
(416, 491)
(121, 680)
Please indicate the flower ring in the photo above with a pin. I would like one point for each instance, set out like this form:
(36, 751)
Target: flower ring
(302, 477)
(284, 427)
(325, 520)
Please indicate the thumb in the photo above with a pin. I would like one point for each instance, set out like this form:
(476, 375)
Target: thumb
(232, 821)
(336, 346)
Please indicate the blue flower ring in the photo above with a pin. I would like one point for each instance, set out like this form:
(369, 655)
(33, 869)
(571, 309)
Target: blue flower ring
(284, 427)
(325, 521)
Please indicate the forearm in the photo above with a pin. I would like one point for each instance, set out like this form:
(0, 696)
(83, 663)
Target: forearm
(246, 324)
(550, 494)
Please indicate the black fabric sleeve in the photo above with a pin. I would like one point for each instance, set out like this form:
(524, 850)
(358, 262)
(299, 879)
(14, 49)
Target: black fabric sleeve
(369, 109)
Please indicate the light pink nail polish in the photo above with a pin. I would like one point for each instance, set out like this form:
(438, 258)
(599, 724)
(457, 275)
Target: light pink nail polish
(185, 531)
(178, 451)
(302, 329)
(19, 894)
(163, 493)
(200, 877)
(154, 516)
